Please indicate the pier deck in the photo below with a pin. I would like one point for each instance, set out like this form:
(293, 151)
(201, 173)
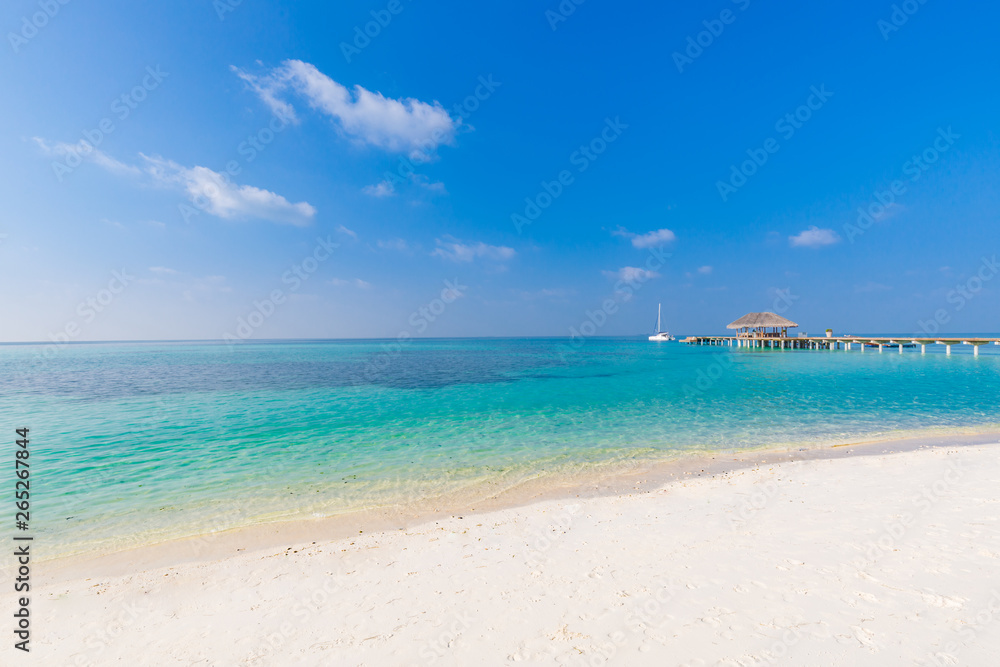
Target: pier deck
(839, 342)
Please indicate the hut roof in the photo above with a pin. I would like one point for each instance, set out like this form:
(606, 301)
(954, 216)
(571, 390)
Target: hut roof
(766, 319)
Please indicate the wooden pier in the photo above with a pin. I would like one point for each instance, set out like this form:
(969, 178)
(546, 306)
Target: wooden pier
(769, 331)
(838, 342)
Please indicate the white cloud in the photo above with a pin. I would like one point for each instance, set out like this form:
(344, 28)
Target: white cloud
(386, 189)
(208, 190)
(393, 244)
(380, 189)
(458, 251)
(427, 184)
(355, 282)
(162, 270)
(631, 274)
(814, 237)
(403, 125)
(216, 194)
(349, 232)
(555, 293)
(652, 239)
(85, 152)
(267, 88)
(705, 270)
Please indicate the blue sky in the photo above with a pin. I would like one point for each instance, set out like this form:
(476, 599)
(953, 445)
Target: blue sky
(611, 119)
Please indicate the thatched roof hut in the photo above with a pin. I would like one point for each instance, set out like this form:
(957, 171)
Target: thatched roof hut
(762, 325)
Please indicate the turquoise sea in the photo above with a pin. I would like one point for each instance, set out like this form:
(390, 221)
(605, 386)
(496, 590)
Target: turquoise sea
(140, 442)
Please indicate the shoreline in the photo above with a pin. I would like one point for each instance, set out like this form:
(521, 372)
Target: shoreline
(832, 558)
(618, 479)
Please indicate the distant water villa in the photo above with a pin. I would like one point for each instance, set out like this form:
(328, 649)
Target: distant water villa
(762, 325)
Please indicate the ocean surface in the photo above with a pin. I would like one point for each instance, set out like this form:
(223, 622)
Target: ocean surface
(141, 442)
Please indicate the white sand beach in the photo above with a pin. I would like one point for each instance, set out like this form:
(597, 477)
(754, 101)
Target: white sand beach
(881, 559)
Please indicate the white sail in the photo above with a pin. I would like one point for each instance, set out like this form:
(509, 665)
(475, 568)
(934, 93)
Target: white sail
(660, 334)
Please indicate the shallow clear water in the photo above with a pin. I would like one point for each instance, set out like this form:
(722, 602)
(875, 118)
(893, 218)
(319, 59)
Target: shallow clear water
(138, 442)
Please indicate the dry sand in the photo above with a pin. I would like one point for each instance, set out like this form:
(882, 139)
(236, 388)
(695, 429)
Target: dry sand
(885, 559)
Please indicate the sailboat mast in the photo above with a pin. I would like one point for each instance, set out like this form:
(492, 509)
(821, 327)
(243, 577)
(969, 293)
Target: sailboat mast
(658, 329)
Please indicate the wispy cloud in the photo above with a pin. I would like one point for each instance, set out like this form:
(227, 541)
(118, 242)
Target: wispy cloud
(347, 232)
(553, 294)
(404, 125)
(631, 274)
(459, 251)
(380, 189)
(87, 153)
(397, 244)
(651, 239)
(162, 270)
(209, 190)
(216, 194)
(387, 189)
(701, 271)
(352, 282)
(814, 237)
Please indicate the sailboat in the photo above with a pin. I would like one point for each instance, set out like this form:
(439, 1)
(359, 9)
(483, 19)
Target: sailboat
(660, 334)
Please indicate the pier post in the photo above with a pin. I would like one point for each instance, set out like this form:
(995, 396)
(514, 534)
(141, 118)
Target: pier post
(880, 347)
(947, 349)
(975, 350)
(901, 347)
(923, 348)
